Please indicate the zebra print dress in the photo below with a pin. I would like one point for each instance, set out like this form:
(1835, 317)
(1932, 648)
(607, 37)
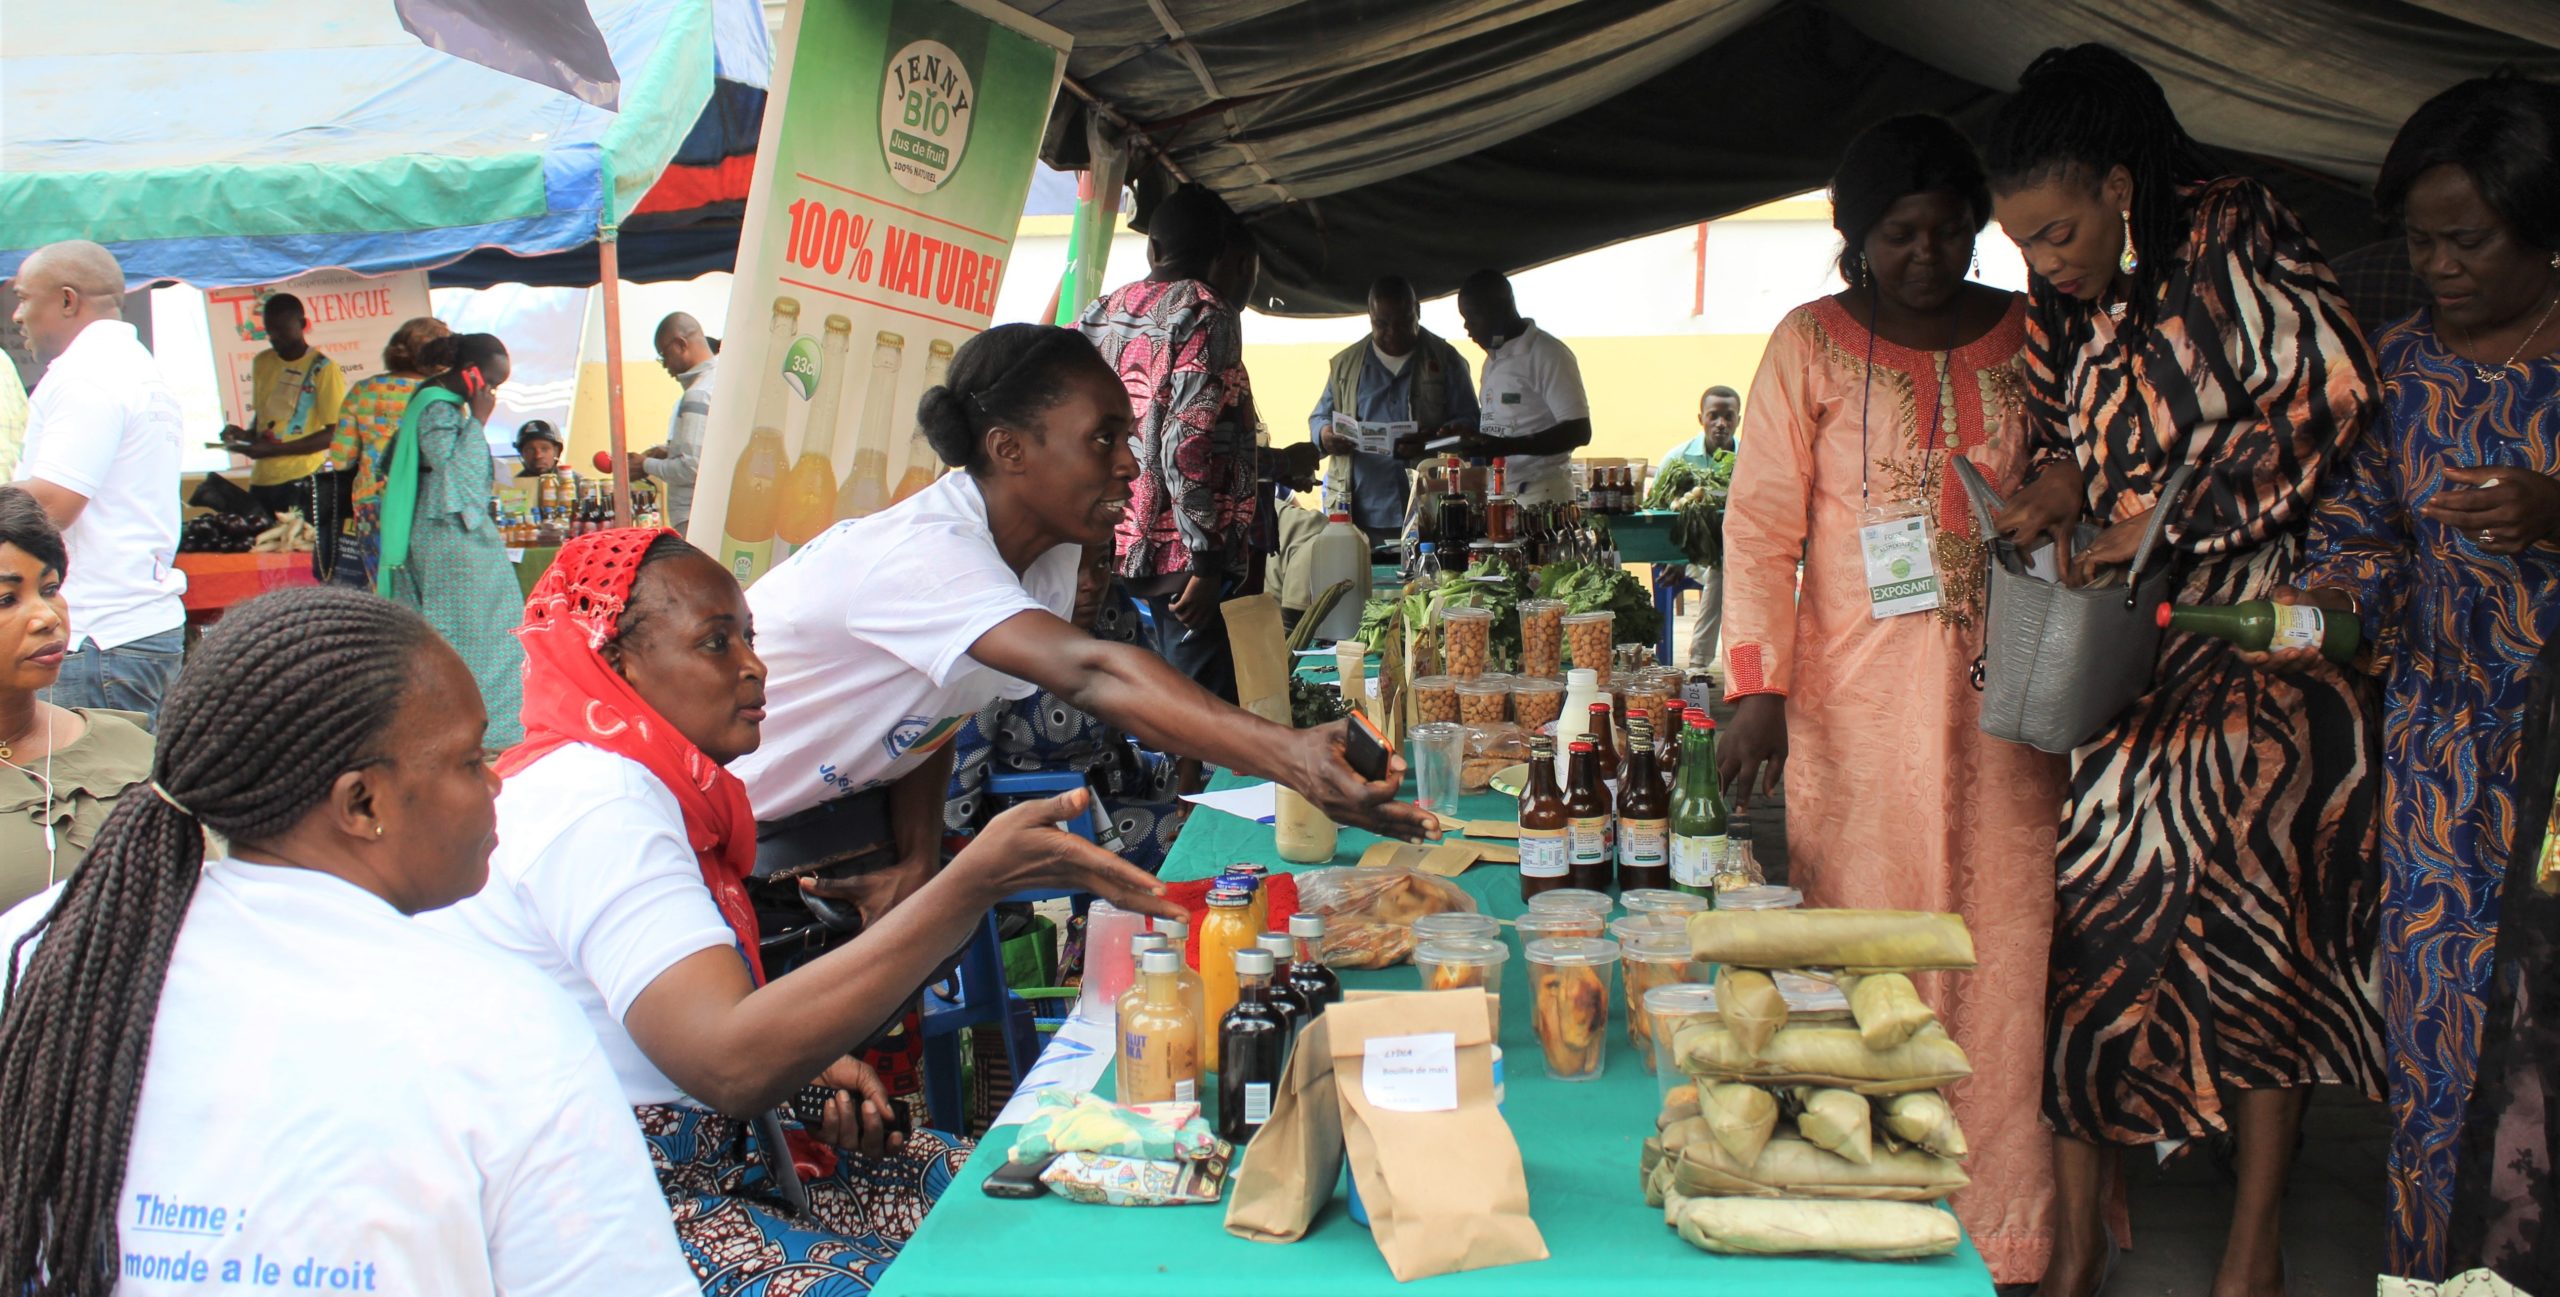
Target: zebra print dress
(2216, 911)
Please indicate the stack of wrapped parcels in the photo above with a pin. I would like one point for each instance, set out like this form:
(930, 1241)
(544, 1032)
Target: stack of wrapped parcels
(1814, 1134)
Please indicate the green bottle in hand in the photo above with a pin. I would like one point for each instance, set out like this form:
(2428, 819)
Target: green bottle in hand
(2259, 625)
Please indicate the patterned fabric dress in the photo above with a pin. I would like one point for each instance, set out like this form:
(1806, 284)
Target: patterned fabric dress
(2215, 929)
(1180, 352)
(367, 421)
(458, 575)
(1896, 799)
(2456, 631)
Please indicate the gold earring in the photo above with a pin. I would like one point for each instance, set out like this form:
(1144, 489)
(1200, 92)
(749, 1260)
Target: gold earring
(2128, 261)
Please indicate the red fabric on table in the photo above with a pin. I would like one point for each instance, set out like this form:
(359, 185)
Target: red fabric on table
(1193, 897)
(217, 581)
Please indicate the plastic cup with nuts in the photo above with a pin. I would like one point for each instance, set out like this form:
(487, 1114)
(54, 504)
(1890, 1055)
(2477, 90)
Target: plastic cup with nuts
(1590, 638)
(1485, 700)
(1435, 699)
(1541, 637)
(1466, 641)
(1536, 702)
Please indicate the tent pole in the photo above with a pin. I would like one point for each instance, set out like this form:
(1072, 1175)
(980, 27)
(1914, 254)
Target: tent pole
(609, 269)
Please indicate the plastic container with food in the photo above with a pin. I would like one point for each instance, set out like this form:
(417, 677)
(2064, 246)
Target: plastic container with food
(1448, 963)
(1435, 699)
(1569, 1004)
(1441, 927)
(1654, 957)
(1536, 701)
(1573, 898)
(1764, 897)
(1590, 638)
(1539, 925)
(1466, 641)
(1662, 900)
(1542, 637)
(1485, 700)
(1669, 1010)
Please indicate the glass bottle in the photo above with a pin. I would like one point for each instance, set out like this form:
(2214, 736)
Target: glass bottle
(924, 463)
(1292, 1001)
(1545, 854)
(1139, 945)
(1666, 745)
(809, 493)
(755, 481)
(866, 489)
(1178, 935)
(1227, 929)
(1700, 820)
(1604, 743)
(1644, 815)
(1307, 972)
(2258, 624)
(1586, 809)
(1253, 1039)
(1160, 1039)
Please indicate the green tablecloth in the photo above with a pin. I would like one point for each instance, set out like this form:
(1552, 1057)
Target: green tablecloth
(1579, 1143)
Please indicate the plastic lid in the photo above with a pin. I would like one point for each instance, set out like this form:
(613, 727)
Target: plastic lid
(1767, 897)
(1429, 548)
(1466, 614)
(2161, 616)
(1253, 961)
(1143, 942)
(1461, 950)
(1561, 952)
(1435, 682)
(1540, 605)
(1536, 685)
(1634, 925)
(1680, 999)
(1655, 945)
(1160, 961)
(1585, 618)
(1662, 900)
(1278, 944)
(1582, 678)
(1248, 869)
(1455, 923)
(1306, 925)
(1572, 898)
(1174, 930)
(1559, 923)
(1485, 685)
(1224, 897)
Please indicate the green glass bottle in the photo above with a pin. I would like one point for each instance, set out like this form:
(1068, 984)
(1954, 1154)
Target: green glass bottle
(2259, 624)
(1699, 818)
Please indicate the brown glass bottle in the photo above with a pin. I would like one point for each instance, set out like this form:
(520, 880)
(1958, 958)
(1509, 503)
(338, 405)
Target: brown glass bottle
(1545, 853)
(1588, 823)
(1644, 815)
(1604, 748)
(1666, 746)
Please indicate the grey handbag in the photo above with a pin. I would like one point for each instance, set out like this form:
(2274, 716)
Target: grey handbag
(2059, 663)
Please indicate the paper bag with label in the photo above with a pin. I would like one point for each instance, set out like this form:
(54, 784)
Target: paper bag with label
(1289, 1170)
(1436, 1164)
(1262, 656)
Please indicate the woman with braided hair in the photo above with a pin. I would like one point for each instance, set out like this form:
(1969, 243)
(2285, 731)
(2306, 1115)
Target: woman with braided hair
(2214, 929)
(257, 1070)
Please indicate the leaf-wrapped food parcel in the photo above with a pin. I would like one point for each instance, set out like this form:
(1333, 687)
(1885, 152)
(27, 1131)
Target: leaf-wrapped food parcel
(1870, 1231)
(1888, 1009)
(1854, 941)
(1923, 1119)
(1741, 1117)
(1837, 1120)
(1821, 1055)
(1748, 1002)
(1791, 1168)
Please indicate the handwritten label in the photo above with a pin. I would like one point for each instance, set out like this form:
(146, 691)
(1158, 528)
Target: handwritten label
(1411, 1073)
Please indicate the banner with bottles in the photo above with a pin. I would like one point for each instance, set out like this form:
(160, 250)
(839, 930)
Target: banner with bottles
(889, 184)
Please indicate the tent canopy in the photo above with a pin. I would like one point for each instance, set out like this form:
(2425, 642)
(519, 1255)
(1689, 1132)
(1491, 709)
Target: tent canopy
(1426, 139)
(250, 141)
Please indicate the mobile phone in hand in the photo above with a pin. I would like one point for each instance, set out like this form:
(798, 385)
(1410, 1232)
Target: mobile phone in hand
(1366, 749)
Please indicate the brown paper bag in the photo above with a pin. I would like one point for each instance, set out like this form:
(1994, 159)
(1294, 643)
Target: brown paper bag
(1288, 1172)
(1262, 656)
(1444, 1189)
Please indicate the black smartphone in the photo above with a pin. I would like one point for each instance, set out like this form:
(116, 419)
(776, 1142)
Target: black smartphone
(1017, 1179)
(809, 1107)
(1366, 748)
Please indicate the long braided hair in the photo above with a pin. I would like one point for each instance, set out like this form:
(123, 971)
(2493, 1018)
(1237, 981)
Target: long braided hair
(287, 693)
(2080, 113)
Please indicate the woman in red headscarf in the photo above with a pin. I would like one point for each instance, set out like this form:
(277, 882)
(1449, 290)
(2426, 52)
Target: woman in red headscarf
(624, 843)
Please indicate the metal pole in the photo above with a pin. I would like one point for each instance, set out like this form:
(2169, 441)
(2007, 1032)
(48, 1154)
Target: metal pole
(609, 269)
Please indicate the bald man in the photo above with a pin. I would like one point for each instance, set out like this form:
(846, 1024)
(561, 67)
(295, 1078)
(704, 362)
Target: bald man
(688, 357)
(102, 458)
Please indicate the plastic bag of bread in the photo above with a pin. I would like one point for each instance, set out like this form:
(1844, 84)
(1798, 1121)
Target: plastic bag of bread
(1751, 1007)
(1791, 1168)
(1852, 941)
(1805, 1054)
(1740, 1117)
(1490, 748)
(1888, 1009)
(1869, 1231)
(1923, 1119)
(1369, 913)
(1837, 1120)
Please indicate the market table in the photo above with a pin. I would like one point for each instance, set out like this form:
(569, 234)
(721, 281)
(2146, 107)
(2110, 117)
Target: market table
(1578, 1142)
(217, 581)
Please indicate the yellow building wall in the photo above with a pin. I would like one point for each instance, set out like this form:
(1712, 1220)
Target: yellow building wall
(648, 401)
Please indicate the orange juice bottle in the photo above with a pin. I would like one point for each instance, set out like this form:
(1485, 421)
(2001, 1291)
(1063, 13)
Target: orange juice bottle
(866, 490)
(755, 483)
(1228, 929)
(809, 493)
(1159, 1042)
(924, 463)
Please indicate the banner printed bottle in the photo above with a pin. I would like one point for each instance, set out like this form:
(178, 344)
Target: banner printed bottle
(755, 484)
(924, 463)
(866, 490)
(809, 493)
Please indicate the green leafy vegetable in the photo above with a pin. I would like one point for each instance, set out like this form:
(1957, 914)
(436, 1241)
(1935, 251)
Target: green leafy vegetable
(1312, 703)
(1587, 587)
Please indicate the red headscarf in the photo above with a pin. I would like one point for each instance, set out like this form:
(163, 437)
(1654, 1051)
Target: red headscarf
(571, 695)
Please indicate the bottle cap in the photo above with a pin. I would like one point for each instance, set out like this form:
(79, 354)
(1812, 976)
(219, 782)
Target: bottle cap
(1143, 942)
(1253, 961)
(1175, 931)
(1542, 746)
(1582, 678)
(2162, 616)
(1306, 925)
(1222, 896)
(1337, 515)
(1584, 746)
(1248, 869)
(1278, 944)
(1428, 547)
(1160, 961)
(1600, 709)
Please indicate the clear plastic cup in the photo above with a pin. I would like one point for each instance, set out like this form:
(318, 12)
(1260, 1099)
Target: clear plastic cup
(1455, 923)
(1654, 958)
(1107, 967)
(1466, 641)
(1536, 702)
(1569, 1004)
(1573, 898)
(1485, 700)
(1589, 638)
(1540, 925)
(1541, 637)
(1438, 753)
(1662, 900)
(1435, 699)
(1764, 897)
(1671, 1010)
(1449, 963)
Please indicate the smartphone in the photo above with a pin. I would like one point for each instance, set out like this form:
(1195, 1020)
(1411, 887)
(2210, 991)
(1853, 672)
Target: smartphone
(1017, 1179)
(1366, 748)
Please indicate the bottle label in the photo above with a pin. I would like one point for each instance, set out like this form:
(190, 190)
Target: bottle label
(2298, 626)
(1257, 1102)
(1643, 843)
(1185, 1090)
(1590, 837)
(1543, 853)
(1696, 859)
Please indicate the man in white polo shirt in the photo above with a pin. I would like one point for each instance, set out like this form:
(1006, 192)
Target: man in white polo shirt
(102, 458)
(1534, 413)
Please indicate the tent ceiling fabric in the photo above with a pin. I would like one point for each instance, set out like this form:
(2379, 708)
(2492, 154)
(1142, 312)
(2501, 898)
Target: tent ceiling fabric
(1361, 137)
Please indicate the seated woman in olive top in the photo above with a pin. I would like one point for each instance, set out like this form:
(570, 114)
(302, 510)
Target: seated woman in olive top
(61, 768)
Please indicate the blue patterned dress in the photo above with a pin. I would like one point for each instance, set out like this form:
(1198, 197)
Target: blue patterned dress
(458, 574)
(2455, 631)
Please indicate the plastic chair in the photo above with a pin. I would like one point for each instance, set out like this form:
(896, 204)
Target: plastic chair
(1670, 581)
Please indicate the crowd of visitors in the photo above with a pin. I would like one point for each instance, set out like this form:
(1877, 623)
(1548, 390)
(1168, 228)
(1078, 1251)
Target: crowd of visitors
(734, 831)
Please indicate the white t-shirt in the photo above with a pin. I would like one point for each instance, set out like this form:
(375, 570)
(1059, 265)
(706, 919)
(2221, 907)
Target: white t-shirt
(103, 424)
(340, 1099)
(595, 884)
(1532, 383)
(866, 632)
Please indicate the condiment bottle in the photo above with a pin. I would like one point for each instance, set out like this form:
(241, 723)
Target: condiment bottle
(1139, 945)
(1260, 877)
(1160, 1039)
(1581, 689)
(1253, 1038)
(1545, 855)
(1666, 745)
(1586, 810)
(1644, 814)
(1177, 934)
(1699, 821)
(1291, 1000)
(1604, 744)
(1227, 929)
(1307, 972)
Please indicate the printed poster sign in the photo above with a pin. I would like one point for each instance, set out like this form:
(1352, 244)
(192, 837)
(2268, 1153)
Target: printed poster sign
(889, 184)
(351, 317)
